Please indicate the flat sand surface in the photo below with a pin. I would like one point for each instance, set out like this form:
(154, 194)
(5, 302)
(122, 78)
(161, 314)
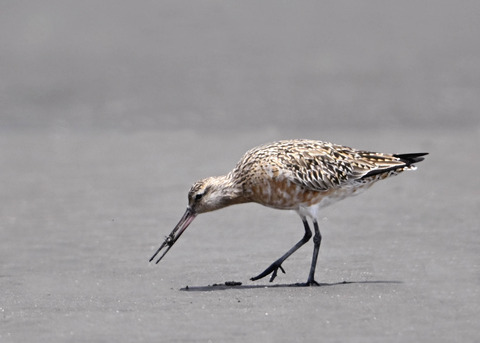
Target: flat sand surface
(110, 110)
(82, 214)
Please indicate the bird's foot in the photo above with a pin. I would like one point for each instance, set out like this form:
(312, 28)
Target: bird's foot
(312, 283)
(272, 269)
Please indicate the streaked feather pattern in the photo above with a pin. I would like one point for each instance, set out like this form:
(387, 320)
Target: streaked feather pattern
(319, 166)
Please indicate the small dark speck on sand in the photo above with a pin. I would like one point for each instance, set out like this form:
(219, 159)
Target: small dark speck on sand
(233, 283)
(227, 283)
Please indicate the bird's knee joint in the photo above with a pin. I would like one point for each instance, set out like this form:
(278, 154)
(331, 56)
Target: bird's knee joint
(307, 236)
(317, 239)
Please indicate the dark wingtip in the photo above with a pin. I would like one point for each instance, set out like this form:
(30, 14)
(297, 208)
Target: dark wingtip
(409, 159)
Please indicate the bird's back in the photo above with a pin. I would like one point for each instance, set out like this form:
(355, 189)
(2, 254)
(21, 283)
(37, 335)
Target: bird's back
(285, 173)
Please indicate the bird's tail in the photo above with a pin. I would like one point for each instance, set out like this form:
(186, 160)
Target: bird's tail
(404, 162)
(410, 159)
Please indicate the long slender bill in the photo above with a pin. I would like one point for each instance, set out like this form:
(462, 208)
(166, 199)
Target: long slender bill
(187, 218)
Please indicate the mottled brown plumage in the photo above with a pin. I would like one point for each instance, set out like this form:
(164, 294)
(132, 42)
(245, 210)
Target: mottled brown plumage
(300, 175)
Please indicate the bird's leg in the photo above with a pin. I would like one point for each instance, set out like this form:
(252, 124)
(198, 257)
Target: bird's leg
(317, 239)
(273, 268)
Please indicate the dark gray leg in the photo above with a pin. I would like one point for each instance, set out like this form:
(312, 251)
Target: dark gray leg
(278, 263)
(317, 239)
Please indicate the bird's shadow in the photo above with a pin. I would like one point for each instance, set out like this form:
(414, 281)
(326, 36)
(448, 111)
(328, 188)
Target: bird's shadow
(238, 285)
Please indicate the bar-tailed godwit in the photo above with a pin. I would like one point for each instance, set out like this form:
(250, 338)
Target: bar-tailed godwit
(300, 175)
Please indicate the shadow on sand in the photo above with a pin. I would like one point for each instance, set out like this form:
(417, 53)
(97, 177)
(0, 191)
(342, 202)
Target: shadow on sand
(238, 285)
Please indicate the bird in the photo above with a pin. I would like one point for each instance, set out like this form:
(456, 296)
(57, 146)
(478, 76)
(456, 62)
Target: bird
(300, 175)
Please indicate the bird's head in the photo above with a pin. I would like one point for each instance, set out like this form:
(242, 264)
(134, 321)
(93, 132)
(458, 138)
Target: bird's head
(209, 194)
(205, 195)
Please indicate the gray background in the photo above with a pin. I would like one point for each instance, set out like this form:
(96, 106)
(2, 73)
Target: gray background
(109, 110)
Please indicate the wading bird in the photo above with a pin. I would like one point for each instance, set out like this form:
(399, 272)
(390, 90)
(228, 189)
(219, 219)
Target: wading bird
(300, 175)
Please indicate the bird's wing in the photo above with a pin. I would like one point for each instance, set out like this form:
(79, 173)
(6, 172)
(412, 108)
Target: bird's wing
(321, 166)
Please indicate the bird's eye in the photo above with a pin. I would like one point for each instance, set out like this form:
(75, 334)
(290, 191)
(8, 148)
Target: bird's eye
(198, 196)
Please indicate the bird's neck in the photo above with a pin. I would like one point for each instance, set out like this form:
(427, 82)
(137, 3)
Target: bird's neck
(229, 191)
